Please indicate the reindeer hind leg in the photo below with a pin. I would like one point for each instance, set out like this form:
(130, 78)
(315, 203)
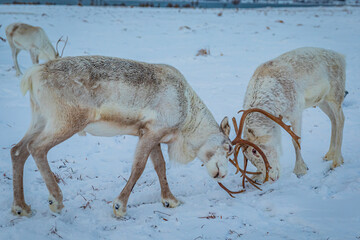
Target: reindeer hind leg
(39, 147)
(19, 155)
(336, 116)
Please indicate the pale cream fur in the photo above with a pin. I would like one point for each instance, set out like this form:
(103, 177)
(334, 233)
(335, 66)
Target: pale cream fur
(286, 85)
(107, 96)
(22, 36)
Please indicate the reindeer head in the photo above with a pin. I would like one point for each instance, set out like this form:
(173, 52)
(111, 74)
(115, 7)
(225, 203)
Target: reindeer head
(267, 138)
(262, 130)
(256, 133)
(214, 153)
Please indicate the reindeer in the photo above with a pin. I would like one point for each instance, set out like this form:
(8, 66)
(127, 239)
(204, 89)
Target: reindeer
(107, 96)
(284, 87)
(22, 36)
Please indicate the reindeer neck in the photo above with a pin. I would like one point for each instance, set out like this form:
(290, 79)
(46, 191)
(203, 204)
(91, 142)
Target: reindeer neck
(199, 123)
(49, 52)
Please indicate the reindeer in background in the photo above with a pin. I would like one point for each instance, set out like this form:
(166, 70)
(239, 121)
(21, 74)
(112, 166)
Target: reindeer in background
(22, 36)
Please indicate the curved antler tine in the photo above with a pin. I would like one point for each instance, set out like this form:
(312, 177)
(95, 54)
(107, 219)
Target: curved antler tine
(57, 43)
(278, 120)
(244, 144)
(235, 125)
(266, 162)
(236, 154)
(245, 166)
(229, 191)
(62, 52)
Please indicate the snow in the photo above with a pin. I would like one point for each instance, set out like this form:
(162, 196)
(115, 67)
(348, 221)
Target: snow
(324, 204)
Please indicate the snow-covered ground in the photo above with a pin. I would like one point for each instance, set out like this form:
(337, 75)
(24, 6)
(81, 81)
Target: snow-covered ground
(323, 204)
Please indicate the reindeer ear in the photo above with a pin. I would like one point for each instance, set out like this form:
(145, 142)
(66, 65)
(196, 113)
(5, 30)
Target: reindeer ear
(225, 127)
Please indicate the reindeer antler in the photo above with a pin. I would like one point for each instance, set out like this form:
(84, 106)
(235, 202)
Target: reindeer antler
(241, 143)
(278, 120)
(62, 52)
(57, 43)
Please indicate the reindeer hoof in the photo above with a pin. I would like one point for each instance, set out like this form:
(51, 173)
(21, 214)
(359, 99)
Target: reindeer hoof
(337, 163)
(19, 211)
(54, 205)
(119, 209)
(328, 156)
(170, 203)
(259, 178)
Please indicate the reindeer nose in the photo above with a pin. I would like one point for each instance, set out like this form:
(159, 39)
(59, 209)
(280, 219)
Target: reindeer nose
(223, 176)
(219, 175)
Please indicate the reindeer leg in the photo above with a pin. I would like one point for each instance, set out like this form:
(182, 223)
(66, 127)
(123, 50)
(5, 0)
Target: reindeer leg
(34, 57)
(300, 166)
(144, 147)
(336, 116)
(15, 51)
(39, 147)
(19, 155)
(167, 198)
(324, 106)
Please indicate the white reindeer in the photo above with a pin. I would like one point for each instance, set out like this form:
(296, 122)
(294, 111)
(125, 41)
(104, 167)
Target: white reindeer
(22, 36)
(285, 86)
(107, 96)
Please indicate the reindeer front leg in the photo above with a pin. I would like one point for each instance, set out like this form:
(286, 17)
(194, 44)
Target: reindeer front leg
(300, 166)
(144, 147)
(167, 198)
(34, 56)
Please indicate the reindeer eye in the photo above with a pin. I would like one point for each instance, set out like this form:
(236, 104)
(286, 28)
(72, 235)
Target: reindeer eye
(230, 148)
(251, 131)
(253, 151)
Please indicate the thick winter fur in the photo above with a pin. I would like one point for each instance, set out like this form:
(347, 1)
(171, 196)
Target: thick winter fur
(22, 36)
(107, 96)
(286, 85)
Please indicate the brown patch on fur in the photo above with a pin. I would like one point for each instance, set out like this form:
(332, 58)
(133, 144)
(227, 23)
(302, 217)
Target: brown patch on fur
(270, 69)
(120, 120)
(13, 30)
(209, 155)
(18, 43)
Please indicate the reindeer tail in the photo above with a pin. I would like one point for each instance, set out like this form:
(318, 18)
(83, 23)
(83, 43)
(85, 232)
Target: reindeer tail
(26, 81)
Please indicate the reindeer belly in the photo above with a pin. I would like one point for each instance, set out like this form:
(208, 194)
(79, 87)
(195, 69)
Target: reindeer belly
(109, 129)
